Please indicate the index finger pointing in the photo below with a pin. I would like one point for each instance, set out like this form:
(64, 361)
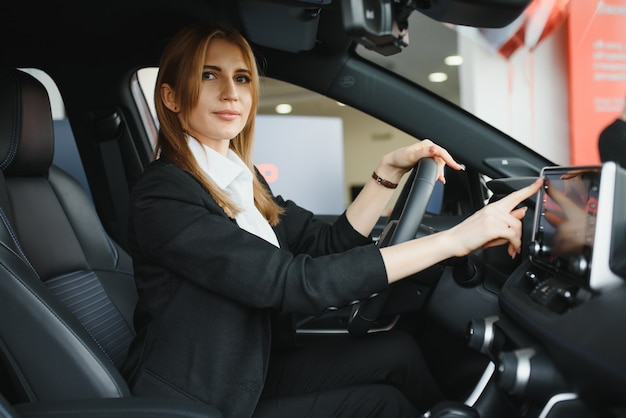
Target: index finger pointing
(518, 196)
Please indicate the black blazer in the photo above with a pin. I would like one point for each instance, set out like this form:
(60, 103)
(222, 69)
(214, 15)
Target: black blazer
(612, 142)
(207, 288)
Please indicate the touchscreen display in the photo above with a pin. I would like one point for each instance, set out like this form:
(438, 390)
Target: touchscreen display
(565, 227)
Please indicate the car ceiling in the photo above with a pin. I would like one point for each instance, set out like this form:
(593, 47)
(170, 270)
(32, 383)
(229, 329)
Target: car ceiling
(132, 31)
(33, 32)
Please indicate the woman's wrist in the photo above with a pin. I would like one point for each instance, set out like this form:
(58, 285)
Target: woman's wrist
(454, 242)
(388, 173)
(383, 182)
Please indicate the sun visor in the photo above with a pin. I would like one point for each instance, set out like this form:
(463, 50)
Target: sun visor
(288, 26)
(483, 14)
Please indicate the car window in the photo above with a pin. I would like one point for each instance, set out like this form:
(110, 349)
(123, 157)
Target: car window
(304, 142)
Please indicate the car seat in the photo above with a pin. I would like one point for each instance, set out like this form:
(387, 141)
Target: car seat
(67, 292)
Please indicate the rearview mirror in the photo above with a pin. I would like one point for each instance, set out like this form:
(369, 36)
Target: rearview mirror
(373, 23)
(480, 14)
(367, 17)
(382, 25)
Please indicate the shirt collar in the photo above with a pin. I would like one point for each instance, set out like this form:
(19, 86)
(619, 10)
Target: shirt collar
(222, 170)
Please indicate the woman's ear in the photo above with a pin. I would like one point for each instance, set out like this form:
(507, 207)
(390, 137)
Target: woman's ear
(168, 96)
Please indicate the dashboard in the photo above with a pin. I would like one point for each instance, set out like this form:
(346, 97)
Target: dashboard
(560, 337)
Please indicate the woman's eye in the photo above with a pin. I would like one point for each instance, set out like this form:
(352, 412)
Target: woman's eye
(244, 79)
(207, 75)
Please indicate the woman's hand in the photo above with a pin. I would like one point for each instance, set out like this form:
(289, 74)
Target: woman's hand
(364, 211)
(497, 223)
(395, 164)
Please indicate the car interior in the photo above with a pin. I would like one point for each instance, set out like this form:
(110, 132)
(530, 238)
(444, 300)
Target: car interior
(537, 336)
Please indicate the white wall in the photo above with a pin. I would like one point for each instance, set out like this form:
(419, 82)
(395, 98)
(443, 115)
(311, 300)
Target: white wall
(526, 96)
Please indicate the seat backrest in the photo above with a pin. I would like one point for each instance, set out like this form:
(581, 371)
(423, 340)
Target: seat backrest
(67, 292)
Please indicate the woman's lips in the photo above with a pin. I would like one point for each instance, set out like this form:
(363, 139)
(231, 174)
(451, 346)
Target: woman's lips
(227, 114)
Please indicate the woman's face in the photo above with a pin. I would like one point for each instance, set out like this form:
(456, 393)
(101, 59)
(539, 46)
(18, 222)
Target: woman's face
(225, 97)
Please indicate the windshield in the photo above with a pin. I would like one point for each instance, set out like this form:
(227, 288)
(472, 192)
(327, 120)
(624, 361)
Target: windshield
(552, 79)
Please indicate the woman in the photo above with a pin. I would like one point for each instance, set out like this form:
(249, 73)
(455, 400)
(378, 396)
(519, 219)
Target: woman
(216, 254)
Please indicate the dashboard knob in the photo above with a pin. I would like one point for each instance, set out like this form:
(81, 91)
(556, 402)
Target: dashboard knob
(513, 370)
(534, 248)
(529, 374)
(578, 265)
(481, 334)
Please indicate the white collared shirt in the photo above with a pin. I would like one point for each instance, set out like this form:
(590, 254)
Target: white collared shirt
(233, 176)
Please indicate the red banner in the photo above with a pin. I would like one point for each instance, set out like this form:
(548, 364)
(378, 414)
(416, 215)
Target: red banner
(539, 20)
(597, 72)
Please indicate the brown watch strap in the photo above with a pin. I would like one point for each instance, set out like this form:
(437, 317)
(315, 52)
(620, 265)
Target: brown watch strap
(383, 182)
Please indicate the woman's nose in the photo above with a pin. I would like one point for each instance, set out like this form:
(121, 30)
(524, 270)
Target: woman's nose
(229, 90)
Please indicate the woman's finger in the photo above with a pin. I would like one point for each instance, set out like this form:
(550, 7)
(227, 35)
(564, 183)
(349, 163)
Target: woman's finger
(510, 201)
(443, 154)
(519, 213)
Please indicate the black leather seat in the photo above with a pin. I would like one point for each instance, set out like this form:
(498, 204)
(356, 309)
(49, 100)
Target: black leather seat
(67, 292)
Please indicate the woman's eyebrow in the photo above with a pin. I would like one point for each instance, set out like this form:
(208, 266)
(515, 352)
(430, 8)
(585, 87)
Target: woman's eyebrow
(219, 69)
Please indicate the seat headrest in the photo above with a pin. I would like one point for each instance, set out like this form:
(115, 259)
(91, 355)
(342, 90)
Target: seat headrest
(26, 126)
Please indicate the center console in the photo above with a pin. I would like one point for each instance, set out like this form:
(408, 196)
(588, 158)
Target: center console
(554, 343)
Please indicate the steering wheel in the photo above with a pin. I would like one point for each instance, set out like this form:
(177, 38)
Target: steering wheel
(411, 206)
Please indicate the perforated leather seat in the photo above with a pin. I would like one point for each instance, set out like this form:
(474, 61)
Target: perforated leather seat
(67, 292)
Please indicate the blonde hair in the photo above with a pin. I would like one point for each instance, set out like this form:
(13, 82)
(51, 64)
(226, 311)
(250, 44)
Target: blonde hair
(181, 67)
